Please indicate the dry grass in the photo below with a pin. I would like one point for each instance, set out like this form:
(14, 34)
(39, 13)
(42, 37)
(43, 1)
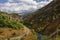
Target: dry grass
(30, 36)
(8, 32)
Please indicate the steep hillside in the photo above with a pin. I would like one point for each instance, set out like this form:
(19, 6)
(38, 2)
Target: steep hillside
(45, 20)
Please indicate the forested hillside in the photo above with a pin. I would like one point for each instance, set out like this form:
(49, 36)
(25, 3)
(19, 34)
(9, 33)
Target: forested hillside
(46, 19)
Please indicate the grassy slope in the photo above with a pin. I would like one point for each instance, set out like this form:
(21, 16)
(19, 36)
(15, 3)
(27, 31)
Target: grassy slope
(13, 28)
(6, 22)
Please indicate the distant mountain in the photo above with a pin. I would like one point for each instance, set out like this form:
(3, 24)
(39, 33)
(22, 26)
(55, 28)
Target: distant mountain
(46, 19)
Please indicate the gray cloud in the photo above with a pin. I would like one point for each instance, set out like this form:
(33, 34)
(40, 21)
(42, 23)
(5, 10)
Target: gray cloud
(20, 6)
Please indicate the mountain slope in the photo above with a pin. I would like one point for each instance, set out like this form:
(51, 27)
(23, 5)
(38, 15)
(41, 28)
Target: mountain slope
(44, 19)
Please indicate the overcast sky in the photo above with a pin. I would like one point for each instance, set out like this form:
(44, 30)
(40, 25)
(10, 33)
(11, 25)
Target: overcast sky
(21, 6)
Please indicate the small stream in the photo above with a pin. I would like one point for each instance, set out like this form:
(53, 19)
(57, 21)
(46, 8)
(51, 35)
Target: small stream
(40, 36)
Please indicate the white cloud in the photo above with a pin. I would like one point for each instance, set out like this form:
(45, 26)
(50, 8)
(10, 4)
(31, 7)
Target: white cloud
(19, 6)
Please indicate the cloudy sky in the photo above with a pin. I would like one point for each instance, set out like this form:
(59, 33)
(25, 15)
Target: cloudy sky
(22, 6)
